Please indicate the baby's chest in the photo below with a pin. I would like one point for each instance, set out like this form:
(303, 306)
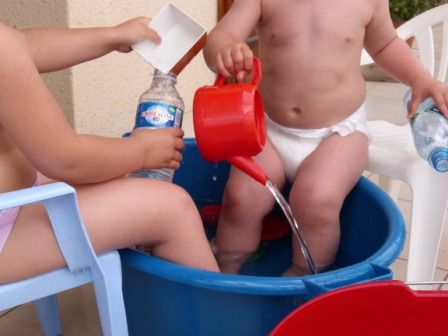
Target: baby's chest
(305, 22)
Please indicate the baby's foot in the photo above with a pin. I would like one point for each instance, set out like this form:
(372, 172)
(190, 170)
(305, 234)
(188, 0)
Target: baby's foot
(230, 262)
(296, 271)
(300, 271)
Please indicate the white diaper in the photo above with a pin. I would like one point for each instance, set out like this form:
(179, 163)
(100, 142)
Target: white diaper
(293, 145)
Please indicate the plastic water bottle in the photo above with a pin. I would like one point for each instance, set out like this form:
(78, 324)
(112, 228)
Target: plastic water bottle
(430, 131)
(158, 107)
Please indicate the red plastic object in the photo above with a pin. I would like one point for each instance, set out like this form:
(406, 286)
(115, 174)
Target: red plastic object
(229, 123)
(210, 214)
(371, 309)
(275, 226)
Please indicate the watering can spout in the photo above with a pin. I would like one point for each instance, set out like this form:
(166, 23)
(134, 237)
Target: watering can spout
(250, 167)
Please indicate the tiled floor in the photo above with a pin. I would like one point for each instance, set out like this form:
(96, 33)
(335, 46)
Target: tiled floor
(78, 308)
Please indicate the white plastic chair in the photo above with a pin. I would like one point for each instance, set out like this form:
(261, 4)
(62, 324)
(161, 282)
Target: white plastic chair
(83, 264)
(392, 154)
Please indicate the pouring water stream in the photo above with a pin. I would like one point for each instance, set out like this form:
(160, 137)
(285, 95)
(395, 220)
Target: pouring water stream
(293, 223)
(250, 167)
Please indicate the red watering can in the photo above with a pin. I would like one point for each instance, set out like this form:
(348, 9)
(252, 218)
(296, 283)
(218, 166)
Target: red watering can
(229, 123)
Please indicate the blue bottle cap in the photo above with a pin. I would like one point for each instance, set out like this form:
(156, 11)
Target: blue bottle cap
(438, 159)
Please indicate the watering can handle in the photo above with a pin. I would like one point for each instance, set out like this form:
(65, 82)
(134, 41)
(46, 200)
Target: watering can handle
(255, 79)
(250, 167)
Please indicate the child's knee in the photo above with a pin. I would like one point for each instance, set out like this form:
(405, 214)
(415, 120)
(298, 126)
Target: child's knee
(242, 201)
(318, 204)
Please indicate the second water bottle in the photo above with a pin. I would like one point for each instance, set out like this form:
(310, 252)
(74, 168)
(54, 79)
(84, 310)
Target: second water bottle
(430, 132)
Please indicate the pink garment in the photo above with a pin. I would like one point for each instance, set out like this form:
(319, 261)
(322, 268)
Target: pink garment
(7, 219)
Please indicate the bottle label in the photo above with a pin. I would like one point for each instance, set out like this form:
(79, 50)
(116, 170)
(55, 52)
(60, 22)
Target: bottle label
(158, 115)
(428, 108)
(433, 108)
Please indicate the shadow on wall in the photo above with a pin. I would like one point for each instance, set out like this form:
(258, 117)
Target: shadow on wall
(22, 14)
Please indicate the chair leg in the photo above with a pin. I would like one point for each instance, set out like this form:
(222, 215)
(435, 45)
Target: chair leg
(48, 315)
(430, 195)
(109, 296)
(390, 186)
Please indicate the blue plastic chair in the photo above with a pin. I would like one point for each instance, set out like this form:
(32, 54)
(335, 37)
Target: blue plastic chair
(84, 265)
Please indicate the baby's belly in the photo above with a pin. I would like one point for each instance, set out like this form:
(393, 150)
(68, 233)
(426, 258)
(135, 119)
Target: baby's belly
(303, 107)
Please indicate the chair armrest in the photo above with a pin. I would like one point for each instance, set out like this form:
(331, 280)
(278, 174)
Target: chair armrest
(365, 58)
(62, 206)
(33, 195)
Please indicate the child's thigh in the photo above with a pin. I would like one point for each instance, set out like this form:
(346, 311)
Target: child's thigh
(335, 166)
(31, 247)
(122, 212)
(116, 214)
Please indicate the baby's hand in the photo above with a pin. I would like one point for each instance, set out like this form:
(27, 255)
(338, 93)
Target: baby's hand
(431, 88)
(234, 59)
(132, 32)
(162, 147)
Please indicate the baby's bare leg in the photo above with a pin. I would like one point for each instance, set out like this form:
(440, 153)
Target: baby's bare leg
(116, 214)
(322, 183)
(244, 205)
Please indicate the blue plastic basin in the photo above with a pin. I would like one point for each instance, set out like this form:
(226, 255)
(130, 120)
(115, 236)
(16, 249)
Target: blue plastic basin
(163, 298)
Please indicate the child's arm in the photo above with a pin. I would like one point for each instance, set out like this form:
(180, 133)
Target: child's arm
(398, 60)
(55, 49)
(35, 123)
(225, 51)
(395, 57)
